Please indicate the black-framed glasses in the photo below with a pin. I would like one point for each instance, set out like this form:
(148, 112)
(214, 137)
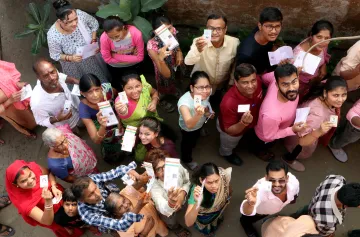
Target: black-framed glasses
(62, 143)
(280, 181)
(270, 27)
(217, 29)
(202, 88)
(160, 169)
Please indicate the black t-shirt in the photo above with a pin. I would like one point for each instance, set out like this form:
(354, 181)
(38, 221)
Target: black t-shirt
(62, 219)
(250, 51)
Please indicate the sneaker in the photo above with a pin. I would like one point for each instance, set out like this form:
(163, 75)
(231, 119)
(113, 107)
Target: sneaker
(192, 165)
(234, 159)
(295, 165)
(204, 132)
(339, 154)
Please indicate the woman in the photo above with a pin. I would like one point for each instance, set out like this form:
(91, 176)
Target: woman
(320, 31)
(213, 201)
(73, 30)
(94, 92)
(130, 198)
(34, 204)
(69, 156)
(168, 202)
(122, 48)
(152, 138)
(165, 62)
(192, 119)
(16, 112)
(324, 100)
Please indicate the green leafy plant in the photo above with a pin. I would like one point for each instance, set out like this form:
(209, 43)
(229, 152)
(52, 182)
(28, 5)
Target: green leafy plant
(132, 12)
(38, 26)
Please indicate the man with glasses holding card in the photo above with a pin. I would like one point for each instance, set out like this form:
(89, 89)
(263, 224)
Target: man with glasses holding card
(239, 110)
(268, 196)
(214, 52)
(254, 48)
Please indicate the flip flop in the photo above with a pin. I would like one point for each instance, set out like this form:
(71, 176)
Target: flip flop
(4, 201)
(182, 232)
(8, 229)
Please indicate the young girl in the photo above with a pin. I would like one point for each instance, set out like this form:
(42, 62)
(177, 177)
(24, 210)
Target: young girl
(122, 48)
(193, 118)
(94, 92)
(165, 62)
(325, 101)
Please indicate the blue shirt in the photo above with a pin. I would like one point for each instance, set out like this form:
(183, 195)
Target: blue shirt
(96, 215)
(60, 166)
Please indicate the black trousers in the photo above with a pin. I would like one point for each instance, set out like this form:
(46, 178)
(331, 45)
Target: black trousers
(247, 223)
(188, 143)
(291, 156)
(255, 144)
(117, 73)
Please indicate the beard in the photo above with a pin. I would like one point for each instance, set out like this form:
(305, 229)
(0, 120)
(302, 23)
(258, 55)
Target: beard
(287, 94)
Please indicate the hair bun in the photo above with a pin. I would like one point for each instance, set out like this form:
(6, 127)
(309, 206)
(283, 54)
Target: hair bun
(60, 4)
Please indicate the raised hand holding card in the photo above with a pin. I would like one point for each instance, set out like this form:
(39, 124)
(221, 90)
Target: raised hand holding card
(197, 101)
(334, 120)
(44, 181)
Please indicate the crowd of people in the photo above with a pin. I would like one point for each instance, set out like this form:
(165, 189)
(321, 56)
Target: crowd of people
(227, 74)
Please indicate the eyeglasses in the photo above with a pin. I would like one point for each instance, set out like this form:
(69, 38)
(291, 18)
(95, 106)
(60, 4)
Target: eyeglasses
(217, 29)
(159, 169)
(280, 181)
(62, 143)
(271, 27)
(202, 88)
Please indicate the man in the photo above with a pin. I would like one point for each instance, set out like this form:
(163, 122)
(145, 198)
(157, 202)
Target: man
(49, 96)
(260, 202)
(232, 124)
(91, 192)
(278, 110)
(328, 205)
(254, 49)
(215, 57)
(286, 226)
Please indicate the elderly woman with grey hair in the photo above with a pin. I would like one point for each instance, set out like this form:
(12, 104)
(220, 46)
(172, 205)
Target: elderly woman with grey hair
(69, 156)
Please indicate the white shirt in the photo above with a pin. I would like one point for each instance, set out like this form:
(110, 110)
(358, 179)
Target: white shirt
(159, 194)
(268, 204)
(45, 105)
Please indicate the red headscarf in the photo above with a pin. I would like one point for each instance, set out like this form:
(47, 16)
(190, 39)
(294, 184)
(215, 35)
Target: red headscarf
(24, 199)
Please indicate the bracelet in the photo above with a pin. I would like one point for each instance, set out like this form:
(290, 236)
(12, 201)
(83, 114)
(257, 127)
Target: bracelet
(48, 207)
(56, 119)
(249, 203)
(155, 97)
(97, 133)
(93, 40)
(171, 205)
(244, 123)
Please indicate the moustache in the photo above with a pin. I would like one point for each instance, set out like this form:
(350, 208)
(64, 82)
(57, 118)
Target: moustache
(294, 91)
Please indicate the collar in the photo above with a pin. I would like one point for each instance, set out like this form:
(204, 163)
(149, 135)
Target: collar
(52, 95)
(334, 207)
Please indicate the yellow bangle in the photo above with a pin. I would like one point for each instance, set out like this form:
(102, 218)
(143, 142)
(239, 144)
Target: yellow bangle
(97, 133)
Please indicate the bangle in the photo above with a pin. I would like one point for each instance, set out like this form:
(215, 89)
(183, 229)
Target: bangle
(97, 133)
(245, 124)
(249, 203)
(56, 118)
(171, 205)
(47, 207)
(93, 40)
(155, 97)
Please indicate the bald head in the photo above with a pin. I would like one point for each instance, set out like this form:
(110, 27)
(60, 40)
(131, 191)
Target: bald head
(38, 63)
(47, 74)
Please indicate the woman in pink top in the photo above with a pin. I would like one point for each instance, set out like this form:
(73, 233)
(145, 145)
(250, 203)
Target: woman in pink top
(321, 30)
(325, 101)
(122, 48)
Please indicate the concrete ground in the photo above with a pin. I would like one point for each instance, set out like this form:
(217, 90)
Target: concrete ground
(12, 15)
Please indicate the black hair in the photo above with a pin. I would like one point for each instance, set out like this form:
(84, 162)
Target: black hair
(205, 170)
(151, 123)
(87, 81)
(197, 75)
(311, 235)
(37, 63)
(322, 25)
(111, 22)
(79, 185)
(68, 196)
(130, 75)
(159, 20)
(349, 194)
(317, 90)
(19, 173)
(270, 14)
(63, 9)
(110, 204)
(154, 156)
(276, 165)
(284, 70)
(244, 70)
(215, 17)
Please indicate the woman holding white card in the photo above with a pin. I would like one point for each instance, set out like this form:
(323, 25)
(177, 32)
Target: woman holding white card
(206, 206)
(73, 30)
(321, 30)
(94, 92)
(194, 109)
(325, 101)
(165, 62)
(34, 203)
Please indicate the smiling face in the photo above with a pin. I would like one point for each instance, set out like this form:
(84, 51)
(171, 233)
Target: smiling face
(279, 180)
(336, 97)
(26, 179)
(218, 28)
(202, 87)
(94, 95)
(61, 145)
(321, 36)
(70, 23)
(270, 30)
(48, 75)
(122, 205)
(212, 183)
(92, 194)
(133, 89)
(146, 135)
(247, 85)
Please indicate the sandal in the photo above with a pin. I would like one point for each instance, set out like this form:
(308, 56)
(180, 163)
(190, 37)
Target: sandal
(4, 201)
(181, 232)
(167, 106)
(265, 155)
(2, 142)
(8, 231)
